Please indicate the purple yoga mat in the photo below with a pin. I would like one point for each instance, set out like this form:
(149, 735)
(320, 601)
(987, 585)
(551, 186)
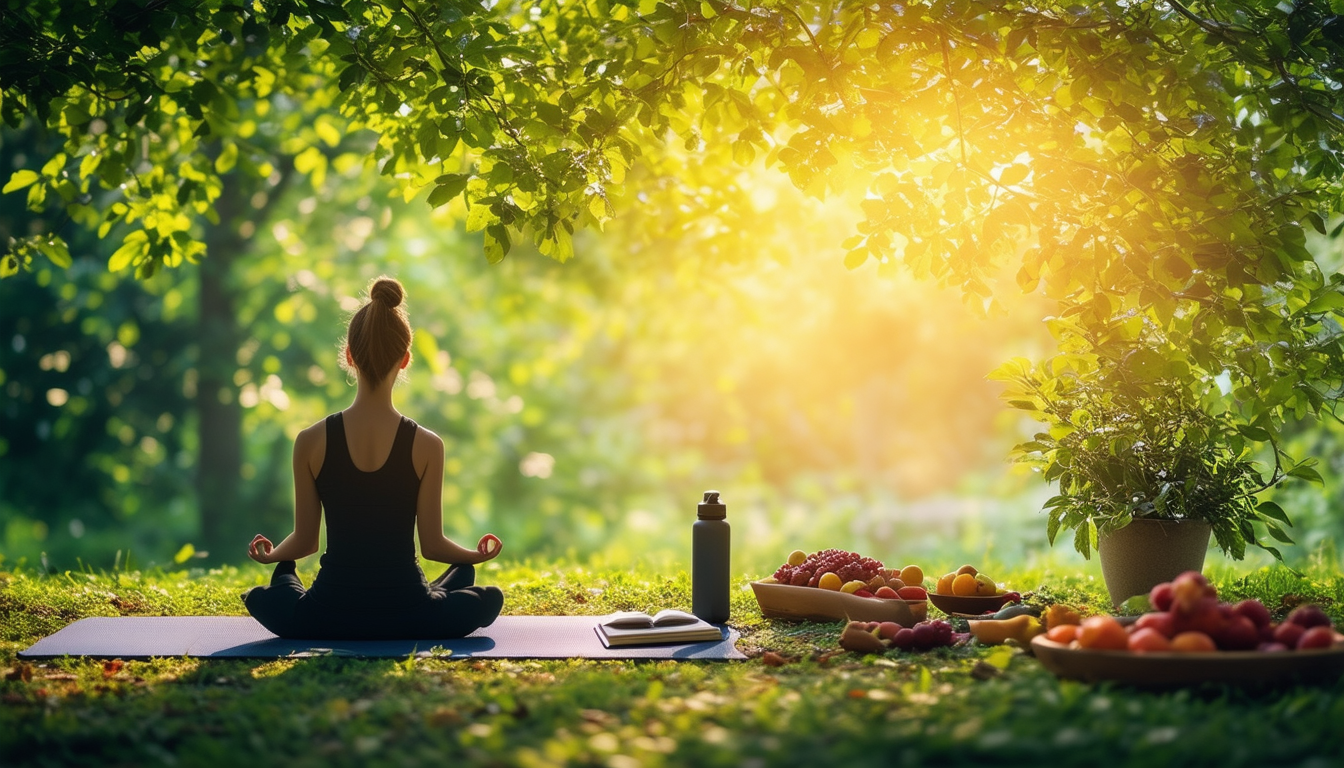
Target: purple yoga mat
(241, 637)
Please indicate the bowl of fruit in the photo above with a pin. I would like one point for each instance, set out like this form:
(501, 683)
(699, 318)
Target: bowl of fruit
(834, 584)
(968, 593)
(1192, 638)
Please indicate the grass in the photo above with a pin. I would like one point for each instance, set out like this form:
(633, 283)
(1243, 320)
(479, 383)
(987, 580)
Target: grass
(825, 708)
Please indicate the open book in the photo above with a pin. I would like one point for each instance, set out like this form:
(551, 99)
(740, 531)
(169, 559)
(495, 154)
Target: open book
(668, 626)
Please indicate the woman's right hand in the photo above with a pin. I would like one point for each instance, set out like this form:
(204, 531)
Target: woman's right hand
(489, 547)
(260, 549)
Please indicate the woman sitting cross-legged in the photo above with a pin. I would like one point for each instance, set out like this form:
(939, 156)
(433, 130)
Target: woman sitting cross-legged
(379, 477)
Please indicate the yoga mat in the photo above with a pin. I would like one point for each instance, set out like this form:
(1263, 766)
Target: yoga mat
(241, 637)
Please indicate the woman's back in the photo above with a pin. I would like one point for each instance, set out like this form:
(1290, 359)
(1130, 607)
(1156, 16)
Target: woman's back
(370, 514)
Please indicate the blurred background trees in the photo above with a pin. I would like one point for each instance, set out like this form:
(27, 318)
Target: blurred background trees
(1154, 178)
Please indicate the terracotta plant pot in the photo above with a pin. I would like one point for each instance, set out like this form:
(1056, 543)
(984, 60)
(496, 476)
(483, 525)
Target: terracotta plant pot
(1146, 553)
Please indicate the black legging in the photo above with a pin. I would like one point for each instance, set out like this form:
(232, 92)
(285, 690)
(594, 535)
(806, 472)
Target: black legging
(342, 606)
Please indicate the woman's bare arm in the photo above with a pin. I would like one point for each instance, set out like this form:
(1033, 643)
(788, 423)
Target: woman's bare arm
(308, 452)
(427, 455)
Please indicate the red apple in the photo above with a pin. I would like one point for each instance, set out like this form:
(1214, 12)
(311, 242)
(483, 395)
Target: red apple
(1239, 634)
(926, 636)
(1193, 642)
(1316, 637)
(888, 629)
(904, 639)
(913, 593)
(1148, 640)
(862, 593)
(1253, 610)
(1271, 647)
(1161, 597)
(1309, 616)
(1289, 633)
(1163, 623)
(887, 593)
(1205, 616)
(1267, 633)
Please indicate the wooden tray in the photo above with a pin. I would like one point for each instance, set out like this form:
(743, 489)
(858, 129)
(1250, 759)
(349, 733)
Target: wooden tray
(1181, 669)
(970, 606)
(782, 601)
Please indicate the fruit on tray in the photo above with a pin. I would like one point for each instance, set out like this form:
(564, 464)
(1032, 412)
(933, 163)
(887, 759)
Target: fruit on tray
(851, 573)
(966, 581)
(1019, 629)
(1060, 614)
(879, 637)
(1188, 618)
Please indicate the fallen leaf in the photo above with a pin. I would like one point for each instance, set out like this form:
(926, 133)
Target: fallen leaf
(111, 667)
(772, 659)
(22, 672)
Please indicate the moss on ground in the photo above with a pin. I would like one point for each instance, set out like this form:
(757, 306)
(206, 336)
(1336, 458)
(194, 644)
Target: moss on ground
(950, 707)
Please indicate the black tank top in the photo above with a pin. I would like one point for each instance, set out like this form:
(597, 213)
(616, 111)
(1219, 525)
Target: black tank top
(370, 515)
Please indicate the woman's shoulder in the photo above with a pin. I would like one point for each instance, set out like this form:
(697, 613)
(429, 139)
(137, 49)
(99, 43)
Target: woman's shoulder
(312, 436)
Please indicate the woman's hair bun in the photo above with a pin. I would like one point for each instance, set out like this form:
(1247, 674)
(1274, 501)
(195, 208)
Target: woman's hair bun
(387, 291)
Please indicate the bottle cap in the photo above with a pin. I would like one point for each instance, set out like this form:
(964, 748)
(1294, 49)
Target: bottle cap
(711, 508)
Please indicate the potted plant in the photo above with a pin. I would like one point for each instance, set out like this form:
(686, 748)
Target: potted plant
(1146, 471)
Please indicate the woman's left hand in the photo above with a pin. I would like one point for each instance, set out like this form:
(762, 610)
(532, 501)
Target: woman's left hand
(489, 546)
(260, 549)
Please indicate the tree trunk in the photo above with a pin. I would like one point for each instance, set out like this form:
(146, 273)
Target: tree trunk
(221, 417)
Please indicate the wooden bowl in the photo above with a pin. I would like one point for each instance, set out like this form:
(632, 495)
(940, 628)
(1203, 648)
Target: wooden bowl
(971, 606)
(1183, 669)
(782, 601)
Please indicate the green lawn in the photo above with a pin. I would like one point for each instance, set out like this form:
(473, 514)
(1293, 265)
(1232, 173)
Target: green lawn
(827, 708)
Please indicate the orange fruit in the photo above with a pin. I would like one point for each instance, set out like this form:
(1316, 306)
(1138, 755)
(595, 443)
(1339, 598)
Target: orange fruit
(1193, 642)
(1064, 633)
(945, 584)
(912, 575)
(830, 581)
(1103, 633)
(964, 585)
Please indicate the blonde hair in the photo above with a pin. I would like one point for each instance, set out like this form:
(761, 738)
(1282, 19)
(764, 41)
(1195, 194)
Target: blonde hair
(379, 334)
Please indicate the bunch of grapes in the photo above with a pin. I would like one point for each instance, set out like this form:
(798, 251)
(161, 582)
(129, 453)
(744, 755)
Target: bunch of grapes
(849, 566)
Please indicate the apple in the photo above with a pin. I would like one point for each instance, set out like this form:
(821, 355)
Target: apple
(1239, 634)
(1163, 623)
(1271, 647)
(1190, 588)
(887, 593)
(1309, 616)
(904, 639)
(1161, 596)
(1204, 615)
(1253, 610)
(863, 593)
(1148, 640)
(926, 636)
(1193, 642)
(888, 629)
(1316, 637)
(1289, 633)
(912, 593)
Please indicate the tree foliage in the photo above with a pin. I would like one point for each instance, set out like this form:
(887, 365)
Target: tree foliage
(1152, 167)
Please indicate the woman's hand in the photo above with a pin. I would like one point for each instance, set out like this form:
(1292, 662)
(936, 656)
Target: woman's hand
(489, 546)
(260, 549)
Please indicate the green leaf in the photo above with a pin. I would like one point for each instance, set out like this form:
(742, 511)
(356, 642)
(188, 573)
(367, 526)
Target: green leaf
(21, 178)
(1278, 533)
(497, 243)
(1270, 509)
(1303, 472)
(450, 185)
(1082, 541)
(1253, 432)
(184, 554)
(1328, 301)
(228, 157)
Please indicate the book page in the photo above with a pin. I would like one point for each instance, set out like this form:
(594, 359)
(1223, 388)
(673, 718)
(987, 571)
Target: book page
(673, 618)
(628, 620)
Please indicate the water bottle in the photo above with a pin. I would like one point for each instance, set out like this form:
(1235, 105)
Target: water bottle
(710, 560)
